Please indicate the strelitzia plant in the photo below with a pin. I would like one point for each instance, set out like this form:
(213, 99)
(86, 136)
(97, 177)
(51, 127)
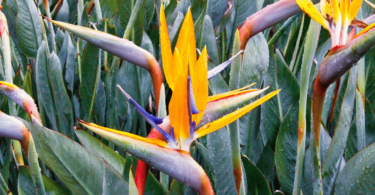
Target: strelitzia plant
(188, 79)
(346, 49)
(334, 16)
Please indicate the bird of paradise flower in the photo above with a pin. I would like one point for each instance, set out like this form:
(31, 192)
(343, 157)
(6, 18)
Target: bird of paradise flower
(188, 79)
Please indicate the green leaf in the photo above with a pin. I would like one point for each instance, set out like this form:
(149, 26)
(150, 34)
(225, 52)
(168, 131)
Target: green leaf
(256, 182)
(309, 179)
(216, 10)
(370, 123)
(11, 18)
(100, 103)
(90, 69)
(307, 60)
(43, 86)
(335, 152)
(64, 110)
(35, 169)
(208, 39)
(116, 16)
(3, 186)
(132, 187)
(218, 144)
(243, 9)
(112, 158)
(254, 64)
(360, 121)
(198, 10)
(149, 12)
(80, 170)
(370, 76)
(70, 64)
(63, 12)
(177, 188)
(25, 184)
(274, 110)
(357, 177)
(266, 162)
(28, 28)
(286, 149)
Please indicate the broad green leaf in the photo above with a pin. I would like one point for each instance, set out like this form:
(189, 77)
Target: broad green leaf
(3, 186)
(286, 149)
(112, 158)
(90, 75)
(370, 76)
(11, 18)
(62, 54)
(360, 121)
(25, 184)
(370, 123)
(34, 168)
(43, 86)
(351, 143)
(309, 179)
(216, 10)
(274, 110)
(64, 110)
(254, 64)
(243, 9)
(149, 12)
(357, 177)
(70, 65)
(100, 103)
(218, 144)
(198, 10)
(208, 39)
(118, 12)
(177, 188)
(110, 90)
(63, 13)
(266, 163)
(182, 7)
(28, 28)
(256, 182)
(331, 165)
(80, 170)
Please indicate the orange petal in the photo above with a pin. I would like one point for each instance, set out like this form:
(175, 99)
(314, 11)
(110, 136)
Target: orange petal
(186, 41)
(166, 51)
(107, 132)
(178, 106)
(355, 6)
(200, 84)
(229, 118)
(308, 7)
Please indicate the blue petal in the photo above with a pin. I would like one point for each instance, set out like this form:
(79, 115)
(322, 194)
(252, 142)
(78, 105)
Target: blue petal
(152, 120)
(192, 129)
(213, 72)
(192, 104)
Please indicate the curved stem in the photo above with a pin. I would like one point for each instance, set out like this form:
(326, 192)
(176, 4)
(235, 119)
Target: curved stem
(337, 87)
(318, 101)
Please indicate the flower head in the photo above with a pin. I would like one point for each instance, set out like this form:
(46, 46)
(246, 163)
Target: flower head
(187, 77)
(334, 16)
